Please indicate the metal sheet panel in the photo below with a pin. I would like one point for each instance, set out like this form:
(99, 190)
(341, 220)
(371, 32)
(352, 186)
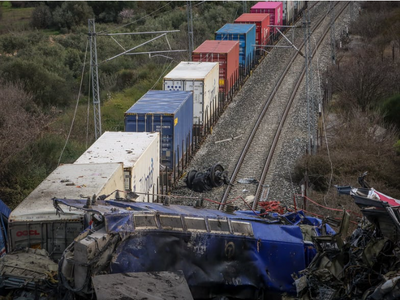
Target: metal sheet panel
(246, 35)
(226, 53)
(139, 152)
(167, 112)
(200, 77)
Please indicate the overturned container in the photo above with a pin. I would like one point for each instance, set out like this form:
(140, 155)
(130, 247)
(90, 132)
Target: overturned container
(226, 53)
(34, 222)
(171, 114)
(139, 152)
(202, 78)
(246, 35)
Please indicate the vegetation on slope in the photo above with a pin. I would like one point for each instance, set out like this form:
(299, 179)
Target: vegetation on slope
(43, 47)
(363, 116)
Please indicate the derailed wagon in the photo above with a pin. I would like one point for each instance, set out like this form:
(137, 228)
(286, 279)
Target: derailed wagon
(240, 254)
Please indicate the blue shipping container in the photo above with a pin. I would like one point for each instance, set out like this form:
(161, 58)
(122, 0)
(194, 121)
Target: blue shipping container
(246, 35)
(167, 112)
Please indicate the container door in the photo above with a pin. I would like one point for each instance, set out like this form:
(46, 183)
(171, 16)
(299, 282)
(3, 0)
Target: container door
(165, 126)
(127, 180)
(198, 99)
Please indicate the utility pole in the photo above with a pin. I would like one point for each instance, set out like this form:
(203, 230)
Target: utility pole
(244, 6)
(190, 28)
(95, 79)
(94, 65)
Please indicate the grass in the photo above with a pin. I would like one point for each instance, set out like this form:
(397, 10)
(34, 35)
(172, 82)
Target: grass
(14, 19)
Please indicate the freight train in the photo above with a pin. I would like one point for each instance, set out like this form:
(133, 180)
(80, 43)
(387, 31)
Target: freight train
(218, 69)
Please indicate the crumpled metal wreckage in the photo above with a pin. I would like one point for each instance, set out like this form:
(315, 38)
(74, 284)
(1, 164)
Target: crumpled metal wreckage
(235, 255)
(367, 265)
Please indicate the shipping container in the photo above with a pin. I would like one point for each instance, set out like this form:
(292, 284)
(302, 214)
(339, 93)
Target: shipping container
(171, 114)
(299, 7)
(262, 28)
(201, 78)
(34, 222)
(139, 153)
(246, 35)
(226, 53)
(288, 12)
(275, 9)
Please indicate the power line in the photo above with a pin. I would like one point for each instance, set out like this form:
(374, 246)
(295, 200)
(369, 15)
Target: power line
(76, 106)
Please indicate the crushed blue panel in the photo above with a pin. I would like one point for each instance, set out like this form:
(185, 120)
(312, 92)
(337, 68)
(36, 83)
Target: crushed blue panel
(220, 253)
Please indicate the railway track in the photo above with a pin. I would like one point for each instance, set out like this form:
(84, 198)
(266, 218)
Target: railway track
(267, 129)
(240, 119)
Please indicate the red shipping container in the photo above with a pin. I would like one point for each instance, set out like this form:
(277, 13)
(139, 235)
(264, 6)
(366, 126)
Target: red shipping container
(262, 26)
(275, 9)
(226, 53)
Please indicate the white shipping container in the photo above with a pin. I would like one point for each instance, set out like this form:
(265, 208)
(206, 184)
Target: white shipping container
(289, 11)
(139, 152)
(203, 79)
(34, 222)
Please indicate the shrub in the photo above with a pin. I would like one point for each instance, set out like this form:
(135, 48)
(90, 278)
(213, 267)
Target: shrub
(71, 14)
(391, 110)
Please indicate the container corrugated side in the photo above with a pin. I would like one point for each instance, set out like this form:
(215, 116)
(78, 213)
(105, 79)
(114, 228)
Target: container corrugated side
(226, 53)
(167, 112)
(139, 152)
(246, 35)
(201, 78)
(262, 27)
(288, 12)
(34, 223)
(275, 9)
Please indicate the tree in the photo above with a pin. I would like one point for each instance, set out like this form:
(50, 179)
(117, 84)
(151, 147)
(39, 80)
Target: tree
(71, 14)
(363, 79)
(41, 17)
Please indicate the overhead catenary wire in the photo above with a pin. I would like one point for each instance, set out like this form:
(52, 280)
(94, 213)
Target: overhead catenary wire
(76, 106)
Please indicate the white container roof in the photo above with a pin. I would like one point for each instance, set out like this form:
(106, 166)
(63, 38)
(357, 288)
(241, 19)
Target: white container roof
(119, 147)
(191, 70)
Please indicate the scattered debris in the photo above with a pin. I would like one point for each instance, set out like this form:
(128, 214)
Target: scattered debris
(367, 265)
(227, 140)
(205, 181)
(248, 181)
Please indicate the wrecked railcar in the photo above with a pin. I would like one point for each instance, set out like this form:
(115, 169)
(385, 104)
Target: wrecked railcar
(367, 265)
(239, 255)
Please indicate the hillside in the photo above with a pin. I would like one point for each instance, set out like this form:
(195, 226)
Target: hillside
(43, 90)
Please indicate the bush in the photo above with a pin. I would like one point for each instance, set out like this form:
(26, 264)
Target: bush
(71, 14)
(391, 110)
(126, 78)
(47, 88)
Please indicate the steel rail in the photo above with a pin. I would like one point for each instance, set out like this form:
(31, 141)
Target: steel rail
(258, 122)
